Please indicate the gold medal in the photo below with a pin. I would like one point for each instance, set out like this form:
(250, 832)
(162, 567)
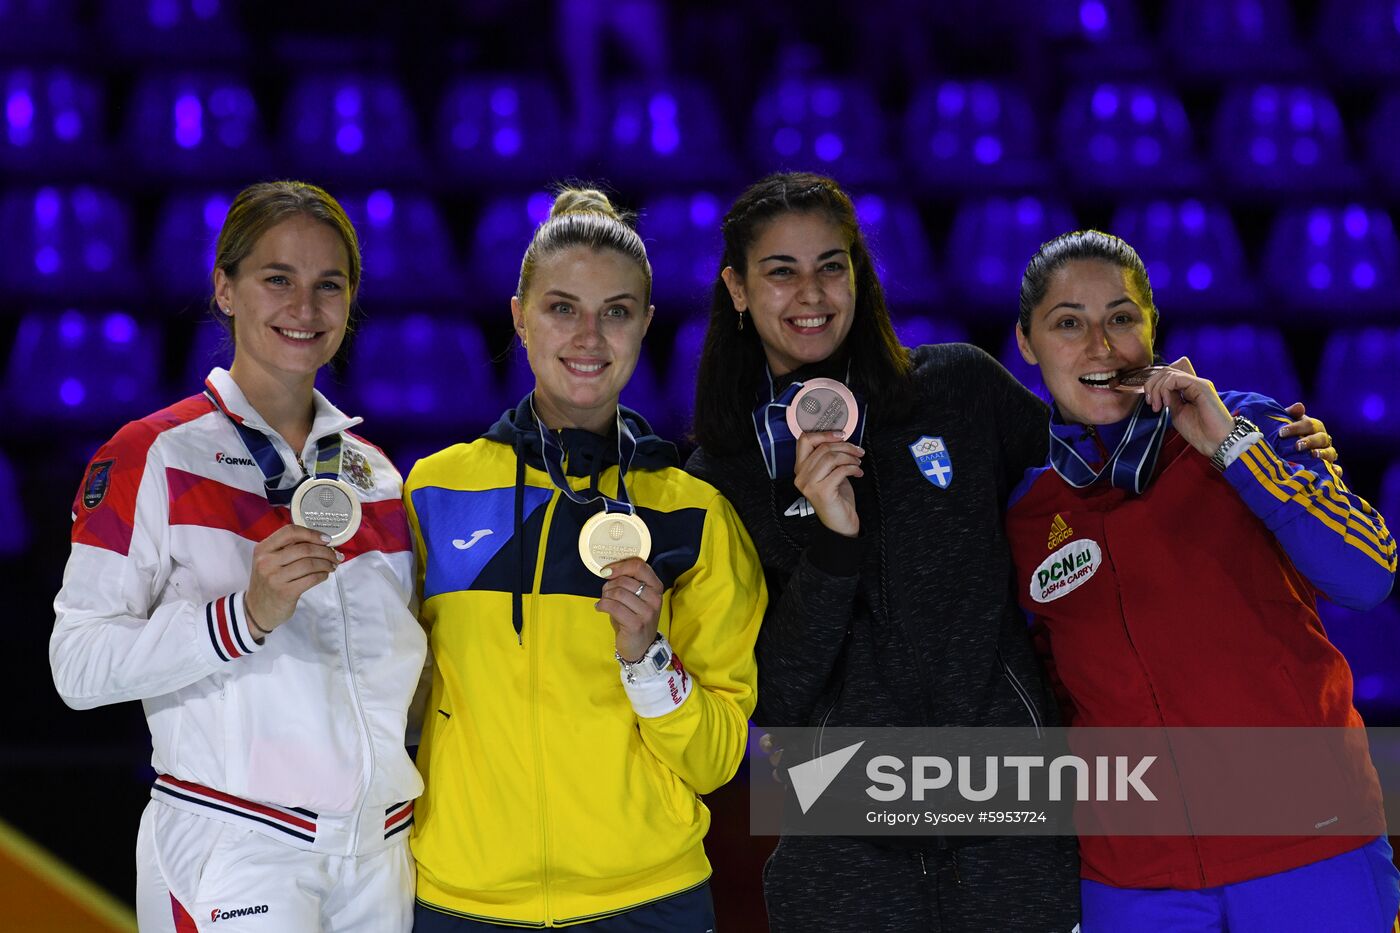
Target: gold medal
(612, 536)
(328, 506)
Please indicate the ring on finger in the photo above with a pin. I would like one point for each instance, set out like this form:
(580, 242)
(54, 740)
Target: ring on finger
(640, 587)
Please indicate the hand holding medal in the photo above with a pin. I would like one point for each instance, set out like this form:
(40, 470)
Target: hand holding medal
(632, 599)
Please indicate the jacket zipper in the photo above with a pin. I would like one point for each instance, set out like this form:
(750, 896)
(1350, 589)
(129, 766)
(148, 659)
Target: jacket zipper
(1022, 693)
(534, 629)
(359, 719)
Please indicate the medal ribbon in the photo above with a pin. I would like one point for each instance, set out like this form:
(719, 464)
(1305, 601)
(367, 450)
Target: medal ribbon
(553, 454)
(265, 455)
(1130, 465)
(775, 438)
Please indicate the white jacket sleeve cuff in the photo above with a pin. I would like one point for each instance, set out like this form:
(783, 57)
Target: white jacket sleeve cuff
(226, 622)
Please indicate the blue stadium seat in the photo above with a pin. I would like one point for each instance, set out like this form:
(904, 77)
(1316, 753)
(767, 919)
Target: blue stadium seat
(1381, 133)
(350, 128)
(1345, 260)
(991, 242)
(83, 369)
(827, 125)
(900, 247)
(1098, 22)
(1369, 642)
(14, 532)
(643, 391)
(1358, 387)
(1231, 38)
(972, 133)
(173, 30)
(53, 123)
(1025, 373)
(1193, 255)
(1126, 136)
(679, 403)
(182, 250)
(503, 230)
(1280, 139)
(682, 234)
(419, 372)
(1242, 357)
(1360, 38)
(195, 126)
(41, 28)
(500, 128)
(407, 248)
(212, 346)
(66, 244)
(668, 131)
(917, 330)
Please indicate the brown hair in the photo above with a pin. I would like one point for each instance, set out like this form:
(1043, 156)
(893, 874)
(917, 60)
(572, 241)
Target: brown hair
(582, 217)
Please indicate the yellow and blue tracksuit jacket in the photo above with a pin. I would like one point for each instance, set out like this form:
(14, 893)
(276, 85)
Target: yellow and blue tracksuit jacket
(548, 800)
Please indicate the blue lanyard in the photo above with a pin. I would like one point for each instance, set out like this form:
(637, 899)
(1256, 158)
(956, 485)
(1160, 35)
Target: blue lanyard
(265, 455)
(553, 454)
(1130, 465)
(775, 438)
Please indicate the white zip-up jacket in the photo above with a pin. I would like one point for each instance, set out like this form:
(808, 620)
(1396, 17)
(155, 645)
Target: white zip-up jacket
(301, 737)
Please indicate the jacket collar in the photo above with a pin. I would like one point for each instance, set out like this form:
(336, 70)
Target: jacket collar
(587, 452)
(327, 418)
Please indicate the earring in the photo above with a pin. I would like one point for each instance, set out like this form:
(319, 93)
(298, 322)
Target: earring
(741, 319)
(226, 309)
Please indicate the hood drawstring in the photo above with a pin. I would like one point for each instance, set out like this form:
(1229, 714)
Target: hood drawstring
(517, 598)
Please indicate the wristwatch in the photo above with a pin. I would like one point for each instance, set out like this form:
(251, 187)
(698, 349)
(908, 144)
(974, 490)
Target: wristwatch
(1235, 442)
(656, 660)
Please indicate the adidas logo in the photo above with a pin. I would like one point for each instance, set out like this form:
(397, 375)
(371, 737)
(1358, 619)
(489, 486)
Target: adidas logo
(1060, 532)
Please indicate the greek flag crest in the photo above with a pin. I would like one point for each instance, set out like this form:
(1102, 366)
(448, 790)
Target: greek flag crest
(931, 457)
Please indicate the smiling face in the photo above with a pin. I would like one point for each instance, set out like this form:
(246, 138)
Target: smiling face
(582, 322)
(289, 301)
(1092, 323)
(799, 285)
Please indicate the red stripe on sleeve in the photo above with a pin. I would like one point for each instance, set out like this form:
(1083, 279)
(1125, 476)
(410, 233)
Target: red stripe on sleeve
(203, 791)
(225, 636)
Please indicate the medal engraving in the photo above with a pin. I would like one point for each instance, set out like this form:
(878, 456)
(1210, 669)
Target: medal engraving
(328, 506)
(612, 536)
(1134, 380)
(822, 405)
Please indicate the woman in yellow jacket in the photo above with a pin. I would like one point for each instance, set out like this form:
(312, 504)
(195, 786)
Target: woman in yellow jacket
(592, 611)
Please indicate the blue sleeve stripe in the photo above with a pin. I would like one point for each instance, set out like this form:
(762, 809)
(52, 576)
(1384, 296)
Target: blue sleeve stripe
(1268, 472)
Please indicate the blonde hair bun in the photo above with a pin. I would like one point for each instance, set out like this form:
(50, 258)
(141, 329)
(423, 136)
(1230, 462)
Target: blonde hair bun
(584, 201)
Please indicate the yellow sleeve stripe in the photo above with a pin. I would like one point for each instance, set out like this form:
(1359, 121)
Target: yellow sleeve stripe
(1363, 522)
(1260, 467)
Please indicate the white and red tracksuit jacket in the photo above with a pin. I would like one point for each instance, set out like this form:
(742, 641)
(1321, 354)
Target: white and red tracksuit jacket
(301, 737)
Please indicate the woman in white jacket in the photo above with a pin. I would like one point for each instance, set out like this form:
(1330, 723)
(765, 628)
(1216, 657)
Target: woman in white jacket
(276, 662)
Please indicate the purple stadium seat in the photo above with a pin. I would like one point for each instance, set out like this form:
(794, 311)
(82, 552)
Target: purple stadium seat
(1193, 255)
(83, 369)
(41, 27)
(1361, 37)
(679, 404)
(643, 391)
(1345, 260)
(407, 248)
(1369, 642)
(14, 532)
(1242, 357)
(683, 241)
(663, 132)
(1095, 21)
(1358, 386)
(195, 126)
(1381, 134)
(211, 347)
(900, 247)
(53, 122)
(66, 244)
(349, 128)
(826, 125)
(979, 133)
(503, 230)
(421, 372)
(991, 242)
(1274, 138)
(500, 128)
(1231, 38)
(1025, 373)
(173, 30)
(1126, 136)
(917, 330)
(182, 251)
